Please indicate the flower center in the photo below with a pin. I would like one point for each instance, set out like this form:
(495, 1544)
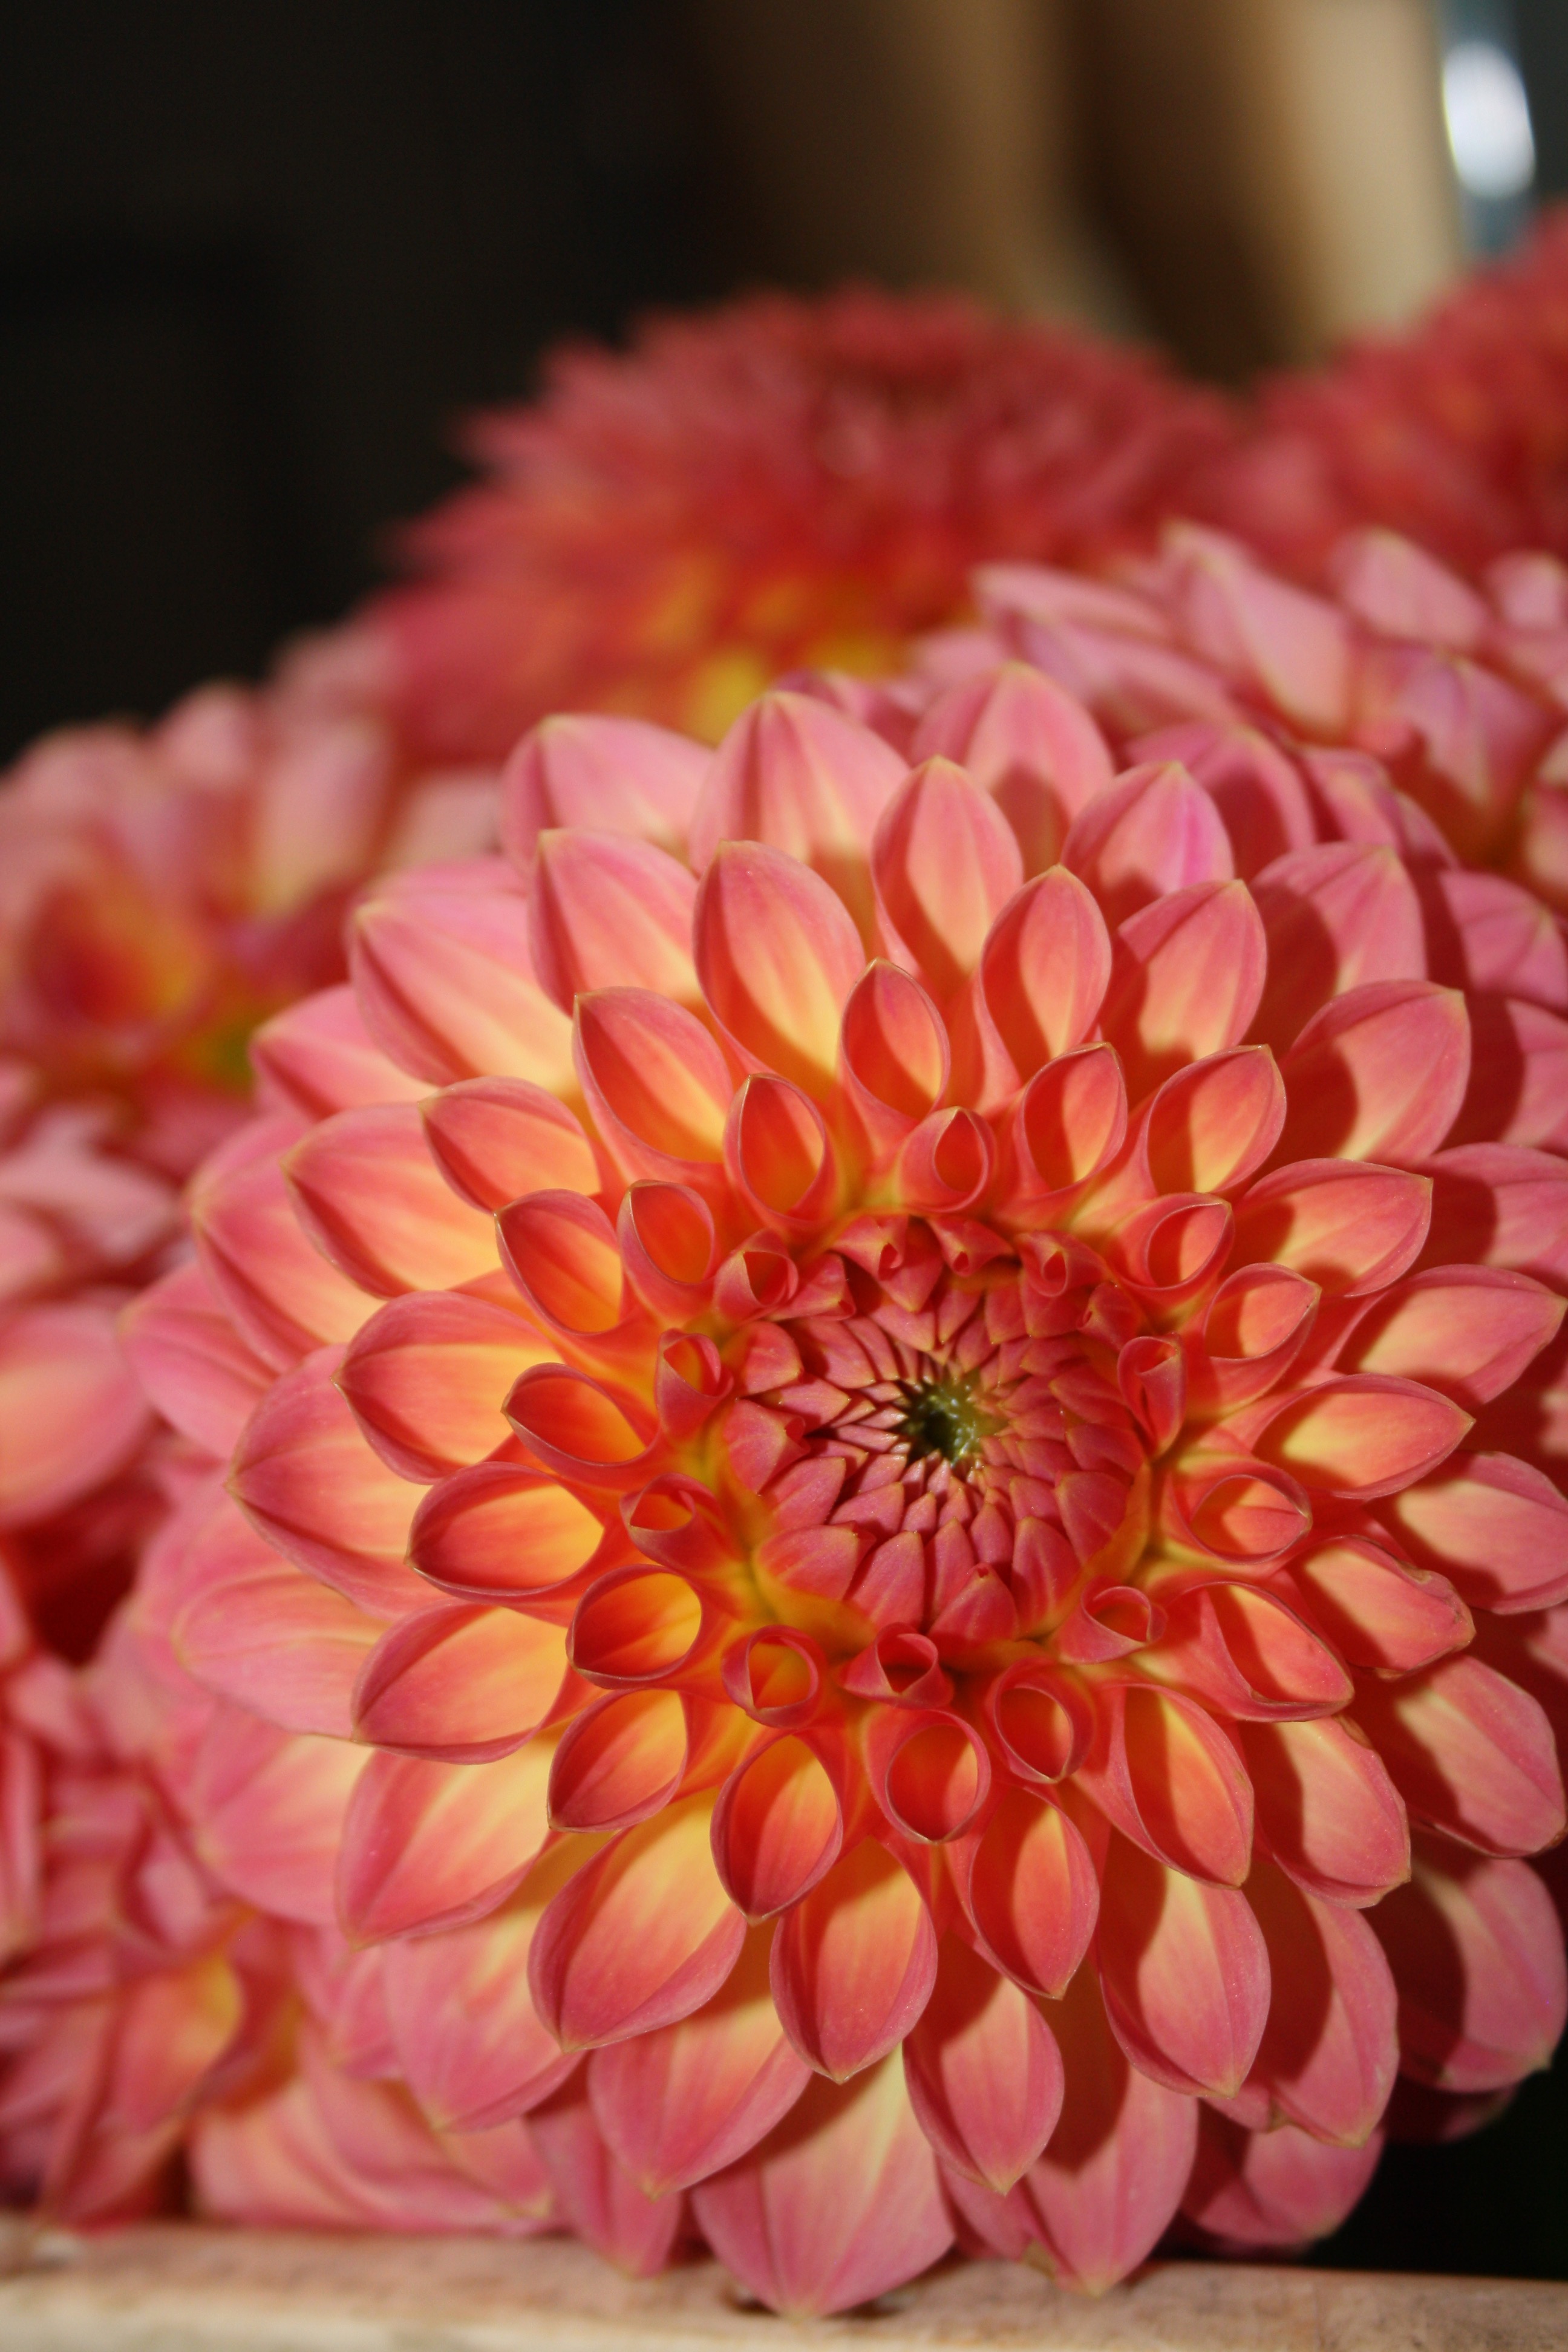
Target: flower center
(944, 1416)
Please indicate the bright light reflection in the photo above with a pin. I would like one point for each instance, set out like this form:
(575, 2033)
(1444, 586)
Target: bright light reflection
(1488, 121)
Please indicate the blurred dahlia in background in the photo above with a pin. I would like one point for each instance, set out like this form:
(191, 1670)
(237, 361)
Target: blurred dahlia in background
(890, 1569)
(1455, 433)
(779, 483)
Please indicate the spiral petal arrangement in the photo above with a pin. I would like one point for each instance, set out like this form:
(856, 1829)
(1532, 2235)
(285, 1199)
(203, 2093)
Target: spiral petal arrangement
(890, 1557)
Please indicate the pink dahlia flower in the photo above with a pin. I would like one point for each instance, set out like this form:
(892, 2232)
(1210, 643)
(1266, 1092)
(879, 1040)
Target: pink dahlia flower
(782, 482)
(891, 1558)
(160, 894)
(1460, 697)
(1455, 433)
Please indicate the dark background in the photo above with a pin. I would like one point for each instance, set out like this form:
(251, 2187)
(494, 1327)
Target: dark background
(254, 261)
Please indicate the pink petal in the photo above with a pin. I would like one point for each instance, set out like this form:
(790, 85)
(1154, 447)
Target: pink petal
(370, 1195)
(1348, 1227)
(447, 987)
(70, 1411)
(598, 2198)
(1043, 972)
(1330, 2051)
(1495, 1526)
(1328, 1811)
(1337, 917)
(985, 2077)
(854, 1963)
(460, 1684)
(1277, 2188)
(1187, 976)
(1477, 1954)
(270, 1807)
(1153, 831)
(428, 1377)
(1471, 1754)
(1184, 1972)
(319, 1057)
(1030, 745)
(430, 1845)
(1379, 1074)
(613, 775)
(606, 912)
(1028, 1886)
(281, 1290)
(258, 1631)
(777, 956)
(186, 1354)
(944, 863)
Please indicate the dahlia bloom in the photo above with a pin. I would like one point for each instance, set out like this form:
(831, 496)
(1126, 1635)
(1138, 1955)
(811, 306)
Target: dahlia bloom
(1455, 433)
(780, 483)
(1461, 696)
(890, 1560)
(159, 894)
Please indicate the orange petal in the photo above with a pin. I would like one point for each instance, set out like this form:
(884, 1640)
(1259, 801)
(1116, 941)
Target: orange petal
(1164, 1773)
(840, 2203)
(656, 1083)
(497, 1532)
(447, 987)
(428, 1377)
(1497, 1528)
(1330, 2051)
(319, 1057)
(619, 1761)
(497, 1138)
(460, 1684)
(1027, 1883)
(1154, 830)
(854, 1962)
(256, 1630)
(895, 1059)
(1376, 1611)
(597, 2199)
(1184, 1972)
(281, 1292)
(1213, 1124)
(607, 912)
(1337, 917)
(1379, 1074)
(71, 1411)
(615, 775)
(944, 862)
(778, 1827)
(684, 2100)
(373, 1199)
(1043, 972)
(642, 1937)
(304, 1477)
(984, 2075)
(1347, 1227)
(1477, 1954)
(429, 1844)
(1032, 747)
(777, 956)
(1327, 1810)
(1471, 1753)
(1187, 976)
(270, 1807)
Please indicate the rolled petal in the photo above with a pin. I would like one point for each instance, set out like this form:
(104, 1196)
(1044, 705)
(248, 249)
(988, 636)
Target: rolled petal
(306, 1479)
(1262, 801)
(1069, 1122)
(447, 987)
(1328, 1811)
(944, 862)
(370, 1195)
(498, 1532)
(428, 1377)
(683, 2102)
(1378, 1612)
(894, 1054)
(984, 2075)
(1476, 1955)
(1028, 1885)
(1214, 1123)
(777, 956)
(195, 1367)
(607, 912)
(1471, 1754)
(1031, 746)
(778, 1827)
(656, 1082)
(621, 1760)
(840, 2203)
(854, 1963)
(561, 1251)
(1188, 973)
(613, 775)
(1184, 1971)
(429, 1844)
(641, 1937)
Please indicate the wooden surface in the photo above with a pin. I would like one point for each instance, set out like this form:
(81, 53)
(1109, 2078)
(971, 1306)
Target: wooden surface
(178, 2288)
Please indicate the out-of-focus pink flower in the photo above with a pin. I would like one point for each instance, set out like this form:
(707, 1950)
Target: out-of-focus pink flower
(892, 1526)
(160, 894)
(1454, 433)
(1459, 696)
(782, 482)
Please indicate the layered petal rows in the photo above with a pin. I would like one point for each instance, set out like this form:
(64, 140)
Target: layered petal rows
(891, 1556)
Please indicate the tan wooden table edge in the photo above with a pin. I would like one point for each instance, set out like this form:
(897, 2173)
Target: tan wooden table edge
(176, 2287)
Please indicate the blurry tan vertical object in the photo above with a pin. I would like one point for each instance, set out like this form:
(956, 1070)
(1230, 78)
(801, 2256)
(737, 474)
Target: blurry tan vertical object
(915, 140)
(1338, 162)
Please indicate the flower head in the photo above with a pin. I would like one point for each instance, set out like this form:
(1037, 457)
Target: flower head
(889, 1539)
(1452, 433)
(784, 482)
